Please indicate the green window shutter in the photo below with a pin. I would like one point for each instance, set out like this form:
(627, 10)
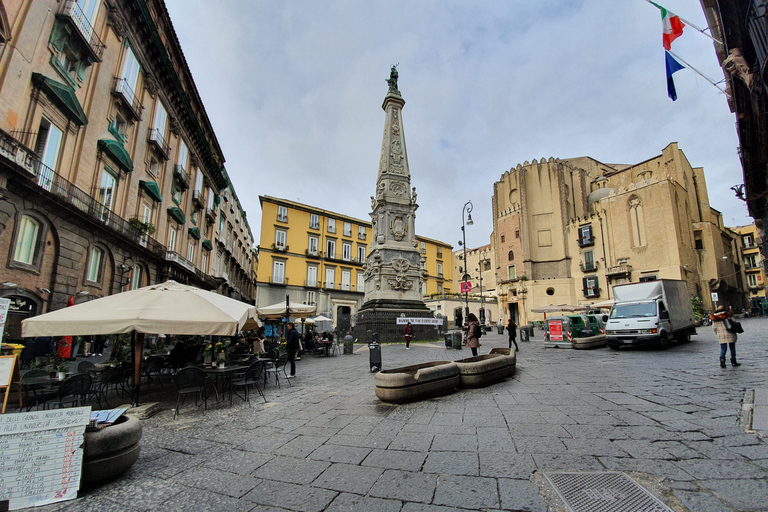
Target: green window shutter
(584, 285)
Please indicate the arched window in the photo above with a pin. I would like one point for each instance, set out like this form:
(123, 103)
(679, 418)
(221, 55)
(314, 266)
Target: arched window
(95, 265)
(511, 256)
(637, 221)
(27, 240)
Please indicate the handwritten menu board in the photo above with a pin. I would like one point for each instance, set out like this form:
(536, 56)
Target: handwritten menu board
(41, 456)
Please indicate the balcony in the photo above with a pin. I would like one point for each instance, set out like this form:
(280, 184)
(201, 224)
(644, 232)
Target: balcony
(624, 270)
(282, 218)
(588, 266)
(122, 90)
(280, 246)
(313, 254)
(181, 175)
(155, 137)
(175, 257)
(72, 13)
(312, 284)
(210, 213)
(62, 190)
(278, 280)
(197, 197)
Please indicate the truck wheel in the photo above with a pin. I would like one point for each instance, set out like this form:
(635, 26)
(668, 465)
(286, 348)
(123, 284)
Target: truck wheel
(613, 347)
(684, 337)
(663, 341)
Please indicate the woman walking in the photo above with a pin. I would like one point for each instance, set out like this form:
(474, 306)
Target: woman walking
(512, 331)
(726, 338)
(408, 335)
(472, 328)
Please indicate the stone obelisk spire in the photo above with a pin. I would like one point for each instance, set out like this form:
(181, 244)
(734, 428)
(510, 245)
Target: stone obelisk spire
(393, 275)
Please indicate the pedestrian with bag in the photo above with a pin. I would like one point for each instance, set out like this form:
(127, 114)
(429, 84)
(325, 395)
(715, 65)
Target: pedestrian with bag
(408, 335)
(512, 331)
(726, 333)
(473, 333)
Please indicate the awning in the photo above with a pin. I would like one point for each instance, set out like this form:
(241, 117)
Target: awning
(63, 96)
(117, 153)
(207, 245)
(194, 233)
(177, 214)
(152, 189)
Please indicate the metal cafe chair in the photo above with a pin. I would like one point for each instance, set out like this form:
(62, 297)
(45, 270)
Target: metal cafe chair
(277, 367)
(73, 391)
(190, 381)
(252, 377)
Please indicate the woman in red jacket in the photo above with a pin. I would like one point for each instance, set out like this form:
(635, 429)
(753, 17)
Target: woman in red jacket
(408, 335)
(726, 338)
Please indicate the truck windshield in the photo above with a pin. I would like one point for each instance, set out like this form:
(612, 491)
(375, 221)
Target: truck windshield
(638, 309)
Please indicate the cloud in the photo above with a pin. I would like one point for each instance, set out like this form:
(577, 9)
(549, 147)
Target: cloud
(294, 93)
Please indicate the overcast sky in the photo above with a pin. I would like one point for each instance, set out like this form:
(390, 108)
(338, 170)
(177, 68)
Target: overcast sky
(294, 90)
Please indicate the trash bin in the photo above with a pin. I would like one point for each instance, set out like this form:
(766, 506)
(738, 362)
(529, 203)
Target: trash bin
(374, 350)
(500, 328)
(457, 339)
(448, 340)
(349, 345)
(525, 333)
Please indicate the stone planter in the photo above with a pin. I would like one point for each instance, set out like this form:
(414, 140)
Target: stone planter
(417, 382)
(111, 451)
(509, 355)
(479, 371)
(590, 342)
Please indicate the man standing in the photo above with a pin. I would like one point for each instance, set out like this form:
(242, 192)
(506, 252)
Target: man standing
(292, 342)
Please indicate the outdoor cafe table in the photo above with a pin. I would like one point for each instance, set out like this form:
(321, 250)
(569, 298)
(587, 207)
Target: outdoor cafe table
(225, 375)
(38, 383)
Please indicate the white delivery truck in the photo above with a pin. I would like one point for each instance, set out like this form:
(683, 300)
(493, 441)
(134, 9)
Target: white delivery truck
(650, 313)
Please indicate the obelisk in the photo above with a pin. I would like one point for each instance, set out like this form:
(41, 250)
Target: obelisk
(393, 269)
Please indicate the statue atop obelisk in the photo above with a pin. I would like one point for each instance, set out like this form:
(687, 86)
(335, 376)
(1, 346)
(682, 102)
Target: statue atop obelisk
(393, 269)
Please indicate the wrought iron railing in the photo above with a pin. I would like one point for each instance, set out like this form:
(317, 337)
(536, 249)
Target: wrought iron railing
(121, 89)
(181, 174)
(156, 137)
(72, 11)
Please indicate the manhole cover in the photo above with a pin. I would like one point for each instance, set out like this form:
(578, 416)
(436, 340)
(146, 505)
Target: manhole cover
(603, 492)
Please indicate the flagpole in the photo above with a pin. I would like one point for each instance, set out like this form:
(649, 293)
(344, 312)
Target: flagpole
(688, 23)
(705, 77)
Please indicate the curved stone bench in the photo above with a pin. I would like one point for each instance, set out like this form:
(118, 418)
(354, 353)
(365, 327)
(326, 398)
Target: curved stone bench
(509, 355)
(417, 382)
(479, 371)
(111, 451)
(590, 342)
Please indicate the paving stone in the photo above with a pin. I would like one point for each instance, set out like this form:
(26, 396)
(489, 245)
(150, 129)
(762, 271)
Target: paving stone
(291, 469)
(701, 501)
(166, 466)
(340, 453)
(521, 495)
(454, 442)
(412, 441)
(405, 486)
(643, 449)
(539, 445)
(290, 496)
(495, 439)
(221, 482)
(467, 492)
(423, 507)
(140, 495)
(269, 443)
(745, 493)
(236, 461)
(537, 430)
(506, 465)
(720, 469)
(457, 463)
(195, 500)
(395, 459)
(302, 445)
(660, 468)
(353, 503)
(348, 478)
(598, 447)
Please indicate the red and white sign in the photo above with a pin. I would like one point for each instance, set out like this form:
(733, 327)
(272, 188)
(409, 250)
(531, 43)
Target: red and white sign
(555, 330)
(466, 287)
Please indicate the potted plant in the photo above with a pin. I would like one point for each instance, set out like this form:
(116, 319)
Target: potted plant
(221, 361)
(140, 228)
(61, 368)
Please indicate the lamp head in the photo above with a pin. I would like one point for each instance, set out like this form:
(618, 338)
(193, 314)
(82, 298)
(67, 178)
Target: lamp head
(469, 220)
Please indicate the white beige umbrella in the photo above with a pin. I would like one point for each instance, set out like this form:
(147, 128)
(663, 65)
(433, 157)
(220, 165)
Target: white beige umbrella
(321, 318)
(286, 309)
(166, 308)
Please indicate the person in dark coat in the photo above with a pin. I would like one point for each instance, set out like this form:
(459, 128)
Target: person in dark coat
(292, 342)
(512, 331)
(473, 327)
(408, 335)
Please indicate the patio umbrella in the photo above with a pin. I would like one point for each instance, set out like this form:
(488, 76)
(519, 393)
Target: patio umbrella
(321, 318)
(605, 304)
(557, 309)
(166, 308)
(286, 309)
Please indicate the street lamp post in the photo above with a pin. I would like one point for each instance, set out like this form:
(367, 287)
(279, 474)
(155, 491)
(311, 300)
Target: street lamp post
(463, 269)
(482, 301)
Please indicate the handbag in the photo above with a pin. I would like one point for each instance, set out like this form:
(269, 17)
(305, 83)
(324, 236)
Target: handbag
(733, 326)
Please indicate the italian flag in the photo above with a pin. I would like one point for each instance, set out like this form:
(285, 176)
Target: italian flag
(671, 25)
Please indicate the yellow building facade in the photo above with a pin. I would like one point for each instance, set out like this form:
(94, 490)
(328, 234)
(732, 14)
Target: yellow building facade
(754, 267)
(318, 257)
(568, 230)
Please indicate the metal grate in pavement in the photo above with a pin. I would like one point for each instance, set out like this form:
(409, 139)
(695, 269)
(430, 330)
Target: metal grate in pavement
(760, 410)
(606, 491)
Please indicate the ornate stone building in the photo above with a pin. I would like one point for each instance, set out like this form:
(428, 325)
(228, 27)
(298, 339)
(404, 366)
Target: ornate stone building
(112, 177)
(566, 231)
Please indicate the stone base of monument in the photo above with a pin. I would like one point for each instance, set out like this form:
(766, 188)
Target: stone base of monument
(480, 371)
(382, 318)
(111, 451)
(417, 382)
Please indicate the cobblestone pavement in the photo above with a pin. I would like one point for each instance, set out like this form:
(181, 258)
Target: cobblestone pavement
(673, 420)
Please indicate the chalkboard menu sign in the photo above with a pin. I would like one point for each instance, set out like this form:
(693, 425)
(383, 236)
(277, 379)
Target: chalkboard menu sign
(41, 456)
